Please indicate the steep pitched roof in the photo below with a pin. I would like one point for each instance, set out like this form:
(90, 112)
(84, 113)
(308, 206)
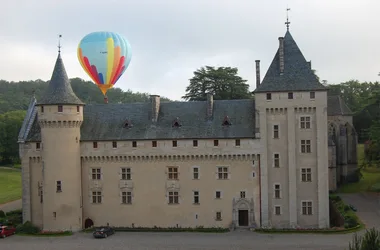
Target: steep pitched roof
(59, 90)
(107, 121)
(336, 106)
(297, 75)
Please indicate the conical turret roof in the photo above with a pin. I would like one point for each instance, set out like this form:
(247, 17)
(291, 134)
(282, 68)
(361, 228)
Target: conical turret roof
(59, 90)
(297, 74)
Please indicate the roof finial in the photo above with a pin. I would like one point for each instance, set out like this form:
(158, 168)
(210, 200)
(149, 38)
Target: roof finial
(287, 19)
(59, 44)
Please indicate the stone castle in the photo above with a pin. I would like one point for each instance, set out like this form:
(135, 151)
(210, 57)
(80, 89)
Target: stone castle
(263, 162)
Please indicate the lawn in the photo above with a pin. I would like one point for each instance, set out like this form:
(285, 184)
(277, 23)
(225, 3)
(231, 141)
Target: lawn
(10, 185)
(371, 177)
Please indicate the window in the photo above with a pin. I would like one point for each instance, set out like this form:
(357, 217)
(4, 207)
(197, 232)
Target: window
(154, 144)
(174, 144)
(307, 208)
(96, 174)
(305, 122)
(276, 160)
(41, 194)
(60, 108)
(126, 174)
(277, 210)
(134, 144)
(97, 197)
(269, 96)
(218, 195)
(253, 174)
(237, 142)
(216, 143)
(195, 173)
(95, 144)
(312, 95)
(42, 109)
(306, 174)
(173, 173)
(218, 216)
(290, 95)
(126, 197)
(38, 145)
(276, 131)
(242, 194)
(195, 143)
(114, 144)
(78, 109)
(196, 197)
(173, 198)
(305, 146)
(277, 191)
(59, 186)
(222, 173)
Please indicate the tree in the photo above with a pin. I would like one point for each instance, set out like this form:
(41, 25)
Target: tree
(222, 82)
(10, 124)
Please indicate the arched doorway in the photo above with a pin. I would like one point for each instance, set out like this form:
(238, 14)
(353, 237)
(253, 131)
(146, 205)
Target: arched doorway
(243, 212)
(88, 223)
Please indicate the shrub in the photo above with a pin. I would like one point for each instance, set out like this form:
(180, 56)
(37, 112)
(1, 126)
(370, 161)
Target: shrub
(2, 214)
(27, 228)
(335, 197)
(369, 241)
(14, 212)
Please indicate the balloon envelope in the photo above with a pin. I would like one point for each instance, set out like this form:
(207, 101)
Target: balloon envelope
(104, 56)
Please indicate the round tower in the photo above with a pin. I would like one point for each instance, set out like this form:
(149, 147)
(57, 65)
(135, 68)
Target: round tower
(60, 116)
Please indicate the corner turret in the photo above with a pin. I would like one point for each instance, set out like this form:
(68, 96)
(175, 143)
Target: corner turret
(60, 116)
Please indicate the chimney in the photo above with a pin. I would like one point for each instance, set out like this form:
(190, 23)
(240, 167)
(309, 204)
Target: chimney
(281, 54)
(309, 62)
(155, 102)
(257, 73)
(210, 105)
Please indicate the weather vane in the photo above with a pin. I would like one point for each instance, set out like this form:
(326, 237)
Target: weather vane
(287, 19)
(59, 43)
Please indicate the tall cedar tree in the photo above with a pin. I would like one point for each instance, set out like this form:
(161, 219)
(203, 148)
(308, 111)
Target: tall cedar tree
(222, 82)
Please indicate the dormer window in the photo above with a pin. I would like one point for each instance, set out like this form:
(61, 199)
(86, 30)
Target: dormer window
(290, 95)
(176, 123)
(269, 96)
(226, 121)
(60, 108)
(127, 124)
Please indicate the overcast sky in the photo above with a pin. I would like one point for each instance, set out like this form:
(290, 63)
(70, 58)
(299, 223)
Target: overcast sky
(172, 38)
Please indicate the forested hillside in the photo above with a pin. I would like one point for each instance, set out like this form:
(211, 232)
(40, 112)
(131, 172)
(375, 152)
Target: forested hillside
(16, 95)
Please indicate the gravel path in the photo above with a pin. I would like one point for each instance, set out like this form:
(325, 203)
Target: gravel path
(13, 205)
(182, 241)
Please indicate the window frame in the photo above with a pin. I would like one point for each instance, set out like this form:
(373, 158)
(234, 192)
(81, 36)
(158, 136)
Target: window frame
(306, 175)
(172, 173)
(306, 146)
(307, 210)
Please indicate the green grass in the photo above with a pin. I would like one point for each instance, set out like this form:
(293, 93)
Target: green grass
(10, 185)
(370, 179)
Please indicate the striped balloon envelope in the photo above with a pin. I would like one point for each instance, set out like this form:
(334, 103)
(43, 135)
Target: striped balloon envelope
(104, 56)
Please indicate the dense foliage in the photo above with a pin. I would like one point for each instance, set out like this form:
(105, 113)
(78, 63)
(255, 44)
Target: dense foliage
(222, 82)
(369, 241)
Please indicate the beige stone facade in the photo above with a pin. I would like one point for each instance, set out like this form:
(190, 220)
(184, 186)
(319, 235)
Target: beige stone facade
(267, 162)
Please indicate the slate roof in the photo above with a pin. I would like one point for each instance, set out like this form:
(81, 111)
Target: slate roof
(59, 90)
(297, 75)
(106, 121)
(336, 106)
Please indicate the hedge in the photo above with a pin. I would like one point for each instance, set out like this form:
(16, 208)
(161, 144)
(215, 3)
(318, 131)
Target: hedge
(169, 229)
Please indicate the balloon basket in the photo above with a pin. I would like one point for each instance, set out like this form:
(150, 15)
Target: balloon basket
(105, 100)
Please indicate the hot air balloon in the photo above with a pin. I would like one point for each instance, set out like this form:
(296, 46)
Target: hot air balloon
(104, 56)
